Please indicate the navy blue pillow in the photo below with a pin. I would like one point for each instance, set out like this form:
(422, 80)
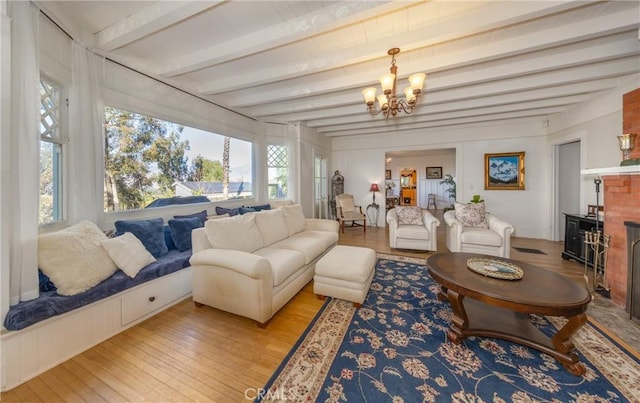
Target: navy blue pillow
(149, 232)
(167, 237)
(261, 207)
(201, 215)
(45, 284)
(245, 210)
(230, 211)
(181, 231)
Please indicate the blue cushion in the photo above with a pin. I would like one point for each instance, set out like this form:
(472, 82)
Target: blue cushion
(149, 232)
(181, 231)
(167, 237)
(45, 283)
(201, 215)
(230, 211)
(245, 210)
(261, 207)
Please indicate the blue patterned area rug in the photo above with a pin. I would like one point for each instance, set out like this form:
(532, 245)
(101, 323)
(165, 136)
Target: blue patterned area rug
(394, 348)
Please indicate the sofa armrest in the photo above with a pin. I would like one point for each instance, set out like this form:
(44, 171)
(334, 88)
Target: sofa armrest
(454, 231)
(322, 224)
(248, 264)
(199, 240)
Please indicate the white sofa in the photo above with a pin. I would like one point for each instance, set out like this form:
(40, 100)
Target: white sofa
(413, 236)
(252, 265)
(495, 240)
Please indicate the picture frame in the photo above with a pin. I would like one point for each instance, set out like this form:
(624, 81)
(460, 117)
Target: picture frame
(504, 171)
(387, 174)
(434, 172)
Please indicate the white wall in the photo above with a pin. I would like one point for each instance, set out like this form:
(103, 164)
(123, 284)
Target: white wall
(361, 160)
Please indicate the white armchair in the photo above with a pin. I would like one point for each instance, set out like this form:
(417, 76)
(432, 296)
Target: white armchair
(495, 240)
(419, 235)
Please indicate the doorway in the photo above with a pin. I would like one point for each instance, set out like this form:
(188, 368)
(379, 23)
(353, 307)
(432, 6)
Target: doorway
(408, 192)
(568, 184)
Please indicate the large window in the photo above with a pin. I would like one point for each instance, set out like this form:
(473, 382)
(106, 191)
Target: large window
(278, 170)
(50, 200)
(151, 163)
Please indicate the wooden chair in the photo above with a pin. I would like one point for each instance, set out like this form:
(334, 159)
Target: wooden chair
(349, 212)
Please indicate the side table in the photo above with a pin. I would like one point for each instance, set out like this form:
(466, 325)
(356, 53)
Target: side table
(373, 211)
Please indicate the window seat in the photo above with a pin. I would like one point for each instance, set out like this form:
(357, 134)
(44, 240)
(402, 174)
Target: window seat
(51, 303)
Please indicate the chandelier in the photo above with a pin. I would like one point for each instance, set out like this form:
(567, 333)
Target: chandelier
(389, 104)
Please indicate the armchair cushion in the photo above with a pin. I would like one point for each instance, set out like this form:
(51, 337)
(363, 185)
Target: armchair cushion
(471, 214)
(413, 232)
(481, 236)
(409, 215)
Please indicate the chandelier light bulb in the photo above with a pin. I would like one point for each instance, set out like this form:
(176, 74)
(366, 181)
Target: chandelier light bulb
(408, 93)
(386, 82)
(383, 102)
(369, 95)
(417, 81)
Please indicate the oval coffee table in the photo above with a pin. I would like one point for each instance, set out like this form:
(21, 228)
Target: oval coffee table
(499, 308)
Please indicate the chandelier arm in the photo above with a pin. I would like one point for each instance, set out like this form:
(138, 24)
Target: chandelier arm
(406, 108)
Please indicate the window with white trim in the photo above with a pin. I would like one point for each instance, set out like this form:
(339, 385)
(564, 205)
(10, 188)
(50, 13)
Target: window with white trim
(51, 140)
(278, 171)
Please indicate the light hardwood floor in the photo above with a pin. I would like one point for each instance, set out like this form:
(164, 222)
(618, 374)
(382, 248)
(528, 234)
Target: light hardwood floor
(203, 354)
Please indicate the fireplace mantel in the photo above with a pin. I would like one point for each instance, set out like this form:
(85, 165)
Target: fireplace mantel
(624, 170)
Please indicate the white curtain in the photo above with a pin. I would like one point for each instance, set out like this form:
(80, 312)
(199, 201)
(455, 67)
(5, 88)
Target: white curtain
(25, 143)
(293, 148)
(85, 150)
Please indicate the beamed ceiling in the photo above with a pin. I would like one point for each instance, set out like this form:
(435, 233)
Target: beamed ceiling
(308, 61)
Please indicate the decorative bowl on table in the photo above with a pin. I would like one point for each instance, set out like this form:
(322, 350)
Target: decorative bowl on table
(495, 268)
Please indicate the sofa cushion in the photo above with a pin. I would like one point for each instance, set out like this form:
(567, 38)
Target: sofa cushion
(149, 232)
(284, 262)
(181, 231)
(73, 258)
(481, 236)
(471, 214)
(328, 238)
(294, 218)
(202, 215)
(413, 232)
(128, 253)
(411, 215)
(272, 226)
(237, 233)
(311, 247)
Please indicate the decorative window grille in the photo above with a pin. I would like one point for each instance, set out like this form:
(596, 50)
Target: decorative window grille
(50, 200)
(278, 170)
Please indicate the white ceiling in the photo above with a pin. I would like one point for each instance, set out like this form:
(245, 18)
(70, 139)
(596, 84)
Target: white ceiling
(308, 61)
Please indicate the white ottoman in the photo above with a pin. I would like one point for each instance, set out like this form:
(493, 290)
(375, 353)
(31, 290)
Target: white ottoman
(345, 272)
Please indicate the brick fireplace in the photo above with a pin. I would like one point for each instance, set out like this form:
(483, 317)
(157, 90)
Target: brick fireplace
(622, 203)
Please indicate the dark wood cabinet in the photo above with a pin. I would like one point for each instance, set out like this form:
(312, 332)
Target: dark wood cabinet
(575, 227)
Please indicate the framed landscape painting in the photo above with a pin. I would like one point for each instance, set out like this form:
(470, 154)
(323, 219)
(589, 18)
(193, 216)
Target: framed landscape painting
(434, 172)
(504, 171)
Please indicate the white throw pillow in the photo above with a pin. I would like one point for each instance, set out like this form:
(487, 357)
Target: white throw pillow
(239, 232)
(272, 226)
(128, 253)
(409, 215)
(471, 214)
(294, 217)
(73, 258)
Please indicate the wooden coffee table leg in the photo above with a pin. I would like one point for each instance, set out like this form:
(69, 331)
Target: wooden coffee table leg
(562, 344)
(460, 320)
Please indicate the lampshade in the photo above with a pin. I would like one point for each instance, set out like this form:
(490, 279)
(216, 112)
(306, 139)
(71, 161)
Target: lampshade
(383, 101)
(374, 188)
(417, 82)
(408, 93)
(386, 82)
(369, 95)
